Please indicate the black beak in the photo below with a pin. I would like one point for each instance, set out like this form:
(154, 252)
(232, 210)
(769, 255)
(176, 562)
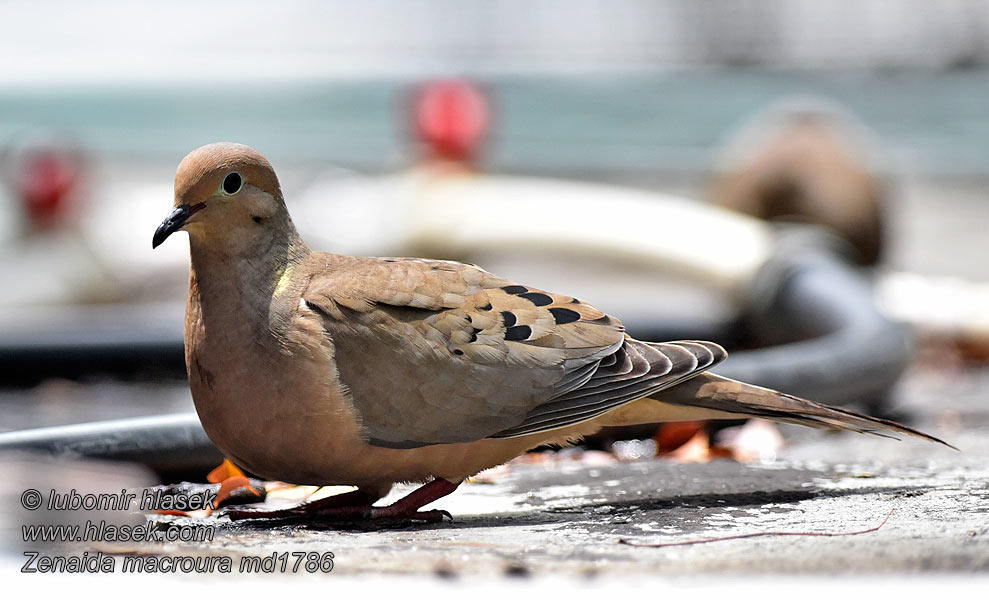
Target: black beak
(174, 222)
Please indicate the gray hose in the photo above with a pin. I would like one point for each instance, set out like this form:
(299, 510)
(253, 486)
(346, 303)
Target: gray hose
(826, 339)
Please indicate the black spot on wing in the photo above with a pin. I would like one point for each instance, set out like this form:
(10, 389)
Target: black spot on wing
(537, 298)
(473, 335)
(458, 351)
(564, 315)
(485, 307)
(515, 289)
(509, 318)
(518, 333)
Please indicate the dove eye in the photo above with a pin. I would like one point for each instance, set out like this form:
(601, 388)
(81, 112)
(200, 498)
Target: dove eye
(232, 183)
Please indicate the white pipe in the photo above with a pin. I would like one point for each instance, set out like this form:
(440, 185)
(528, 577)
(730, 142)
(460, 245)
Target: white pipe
(460, 214)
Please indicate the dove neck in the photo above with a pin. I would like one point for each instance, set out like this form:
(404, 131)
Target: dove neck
(251, 279)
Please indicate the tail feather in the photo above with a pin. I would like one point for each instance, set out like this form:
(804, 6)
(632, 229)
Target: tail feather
(725, 395)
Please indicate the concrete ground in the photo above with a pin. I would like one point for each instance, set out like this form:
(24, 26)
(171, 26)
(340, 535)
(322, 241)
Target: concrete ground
(568, 517)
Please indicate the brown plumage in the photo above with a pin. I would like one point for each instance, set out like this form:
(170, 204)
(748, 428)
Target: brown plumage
(317, 368)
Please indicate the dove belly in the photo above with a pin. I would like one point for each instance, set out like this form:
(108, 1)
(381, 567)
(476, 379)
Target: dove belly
(282, 415)
(317, 444)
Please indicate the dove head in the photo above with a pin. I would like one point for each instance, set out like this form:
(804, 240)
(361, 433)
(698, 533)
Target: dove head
(228, 199)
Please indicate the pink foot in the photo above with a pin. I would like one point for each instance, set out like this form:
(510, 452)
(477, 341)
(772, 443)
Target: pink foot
(356, 506)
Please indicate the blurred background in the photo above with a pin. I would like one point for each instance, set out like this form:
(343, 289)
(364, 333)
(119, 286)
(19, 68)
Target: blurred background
(867, 118)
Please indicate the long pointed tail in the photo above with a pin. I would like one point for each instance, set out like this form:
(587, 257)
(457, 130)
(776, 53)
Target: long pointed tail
(715, 393)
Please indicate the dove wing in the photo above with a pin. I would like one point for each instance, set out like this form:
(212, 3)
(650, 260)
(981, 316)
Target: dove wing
(441, 352)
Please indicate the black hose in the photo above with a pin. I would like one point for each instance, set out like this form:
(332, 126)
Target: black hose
(175, 446)
(104, 339)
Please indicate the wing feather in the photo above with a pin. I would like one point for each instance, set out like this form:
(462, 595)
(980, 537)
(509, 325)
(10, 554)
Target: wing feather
(439, 352)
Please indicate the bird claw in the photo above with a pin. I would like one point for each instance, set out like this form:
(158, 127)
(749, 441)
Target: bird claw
(428, 516)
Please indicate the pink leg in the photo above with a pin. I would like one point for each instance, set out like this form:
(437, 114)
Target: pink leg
(357, 505)
(408, 506)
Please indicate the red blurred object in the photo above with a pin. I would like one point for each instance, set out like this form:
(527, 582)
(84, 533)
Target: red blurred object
(452, 118)
(45, 174)
(46, 181)
(671, 436)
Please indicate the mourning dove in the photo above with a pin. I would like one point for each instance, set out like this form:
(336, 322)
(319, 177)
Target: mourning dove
(316, 368)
